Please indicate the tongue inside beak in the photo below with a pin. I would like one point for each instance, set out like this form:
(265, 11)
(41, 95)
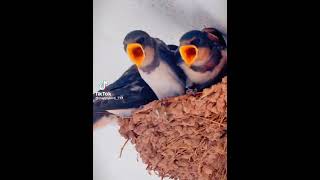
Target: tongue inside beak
(188, 53)
(136, 53)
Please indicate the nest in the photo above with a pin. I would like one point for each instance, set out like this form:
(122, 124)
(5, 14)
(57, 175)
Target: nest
(183, 137)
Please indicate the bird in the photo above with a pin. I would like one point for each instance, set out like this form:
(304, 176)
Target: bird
(156, 63)
(128, 93)
(203, 58)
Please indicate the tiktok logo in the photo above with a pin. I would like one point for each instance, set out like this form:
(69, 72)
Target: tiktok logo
(103, 85)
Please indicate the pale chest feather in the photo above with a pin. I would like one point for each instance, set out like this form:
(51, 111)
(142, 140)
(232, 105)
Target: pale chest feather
(163, 81)
(197, 77)
(203, 77)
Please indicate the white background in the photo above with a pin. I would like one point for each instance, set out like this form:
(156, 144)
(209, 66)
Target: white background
(112, 20)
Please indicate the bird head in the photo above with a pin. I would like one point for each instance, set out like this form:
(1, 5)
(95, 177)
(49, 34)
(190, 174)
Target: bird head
(197, 47)
(139, 47)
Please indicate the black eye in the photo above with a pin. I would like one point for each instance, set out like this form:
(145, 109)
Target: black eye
(196, 42)
(125, 48)
(140, 40)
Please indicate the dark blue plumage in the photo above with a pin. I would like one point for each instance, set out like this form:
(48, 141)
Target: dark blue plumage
(131, 87)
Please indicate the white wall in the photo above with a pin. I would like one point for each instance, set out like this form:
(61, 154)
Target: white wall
(112, 20)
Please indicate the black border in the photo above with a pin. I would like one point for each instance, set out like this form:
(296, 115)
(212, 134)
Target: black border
(271, 90)
(49, 97)
(48, 129)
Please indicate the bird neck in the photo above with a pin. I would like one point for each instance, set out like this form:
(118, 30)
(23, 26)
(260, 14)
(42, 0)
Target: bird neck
(213, 61)
(151, 61)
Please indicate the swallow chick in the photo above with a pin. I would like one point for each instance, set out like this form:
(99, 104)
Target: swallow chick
(123, 96)
(203, 58)
(156, 63)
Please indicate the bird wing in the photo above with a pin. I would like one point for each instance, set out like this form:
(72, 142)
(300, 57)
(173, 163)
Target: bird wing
(172, 47)
(129, 91)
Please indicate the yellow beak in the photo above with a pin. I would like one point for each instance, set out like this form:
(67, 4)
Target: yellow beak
(136, 53)
(188, 53)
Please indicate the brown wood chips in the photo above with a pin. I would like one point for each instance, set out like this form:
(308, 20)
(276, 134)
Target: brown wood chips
(183, 137)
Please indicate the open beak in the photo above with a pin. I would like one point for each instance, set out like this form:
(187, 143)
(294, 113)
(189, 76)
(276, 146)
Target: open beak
(136, 53)
(188, 53)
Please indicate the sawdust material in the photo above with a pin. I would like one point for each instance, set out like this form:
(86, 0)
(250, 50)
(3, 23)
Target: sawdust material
(183, 137)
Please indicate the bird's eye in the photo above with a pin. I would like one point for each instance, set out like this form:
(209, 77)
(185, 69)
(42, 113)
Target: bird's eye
(140, 40)
(196, 42)
(125, 48)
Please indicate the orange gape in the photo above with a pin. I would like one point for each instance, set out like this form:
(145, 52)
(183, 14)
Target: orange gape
(188, 53)
(136, 53)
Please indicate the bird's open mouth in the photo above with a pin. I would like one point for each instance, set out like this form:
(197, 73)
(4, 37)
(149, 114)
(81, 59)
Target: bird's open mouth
(136, 53)
(188, 53)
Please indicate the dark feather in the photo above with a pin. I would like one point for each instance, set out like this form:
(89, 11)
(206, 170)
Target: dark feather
(134, 90)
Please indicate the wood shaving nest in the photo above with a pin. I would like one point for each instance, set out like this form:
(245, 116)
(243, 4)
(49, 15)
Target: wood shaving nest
(183, 137)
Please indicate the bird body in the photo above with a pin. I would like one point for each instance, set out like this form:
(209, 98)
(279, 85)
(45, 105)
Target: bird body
(200, 77)
(163, 81)
(158, 67)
